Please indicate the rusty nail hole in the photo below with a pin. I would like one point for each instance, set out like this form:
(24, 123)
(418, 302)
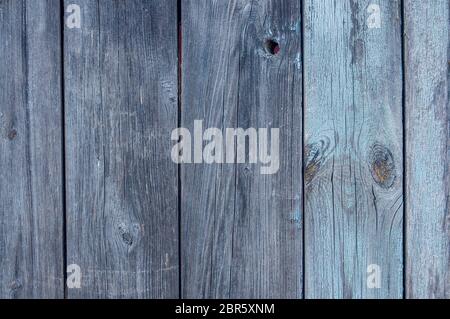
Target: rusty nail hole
(272, 47)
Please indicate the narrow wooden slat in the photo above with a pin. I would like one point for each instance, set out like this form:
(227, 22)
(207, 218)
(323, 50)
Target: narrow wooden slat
(122, 189)
(353, 151)
(31, 199)
(427, 149)
(241, 232)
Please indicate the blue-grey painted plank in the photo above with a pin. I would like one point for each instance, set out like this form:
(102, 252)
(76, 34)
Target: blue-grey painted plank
(241, 232)
(31, 198)
(353, 149)
(427, 148)
(122, 187)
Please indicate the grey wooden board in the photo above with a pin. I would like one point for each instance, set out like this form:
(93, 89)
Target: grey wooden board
(353, 149)
(122, 187)
(31, 198)
(241, 232)
(427, 149)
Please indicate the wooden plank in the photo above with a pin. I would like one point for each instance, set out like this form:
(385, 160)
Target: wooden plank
(31, 198)
(241, 232)
(427, 148)
(353, 151)
(122, 187)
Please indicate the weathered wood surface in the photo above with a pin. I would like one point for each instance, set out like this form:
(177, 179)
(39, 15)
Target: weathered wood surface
(353, 151)
(122, 187)
(427, 149)
(241, 232)
(31, 193)
(133, 217)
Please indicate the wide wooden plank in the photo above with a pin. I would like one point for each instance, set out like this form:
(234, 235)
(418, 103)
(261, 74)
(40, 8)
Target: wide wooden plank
(241, 231)
(31, 198)
(353, 149)
(122, 187)
(427, 148)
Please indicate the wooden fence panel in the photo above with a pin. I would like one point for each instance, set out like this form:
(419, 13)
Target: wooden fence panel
(354, 149)
(122, 187)
(31, 192)
(427, 149)
(241, 231)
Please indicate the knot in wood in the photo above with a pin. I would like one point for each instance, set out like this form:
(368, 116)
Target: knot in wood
(382, 165)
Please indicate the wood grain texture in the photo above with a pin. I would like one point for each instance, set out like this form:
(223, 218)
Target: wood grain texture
(241, 232)
(128, 205)
(427, 149)
(31, 198)
(122, 187)
(353, 149)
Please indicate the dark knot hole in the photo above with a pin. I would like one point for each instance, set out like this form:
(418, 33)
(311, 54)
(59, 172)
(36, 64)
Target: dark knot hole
(272, 47)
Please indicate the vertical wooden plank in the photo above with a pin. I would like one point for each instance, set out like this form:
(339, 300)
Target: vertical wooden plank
(122, 187)
(427, 147)
(241, 232)
(353, 151)
(31, 199)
